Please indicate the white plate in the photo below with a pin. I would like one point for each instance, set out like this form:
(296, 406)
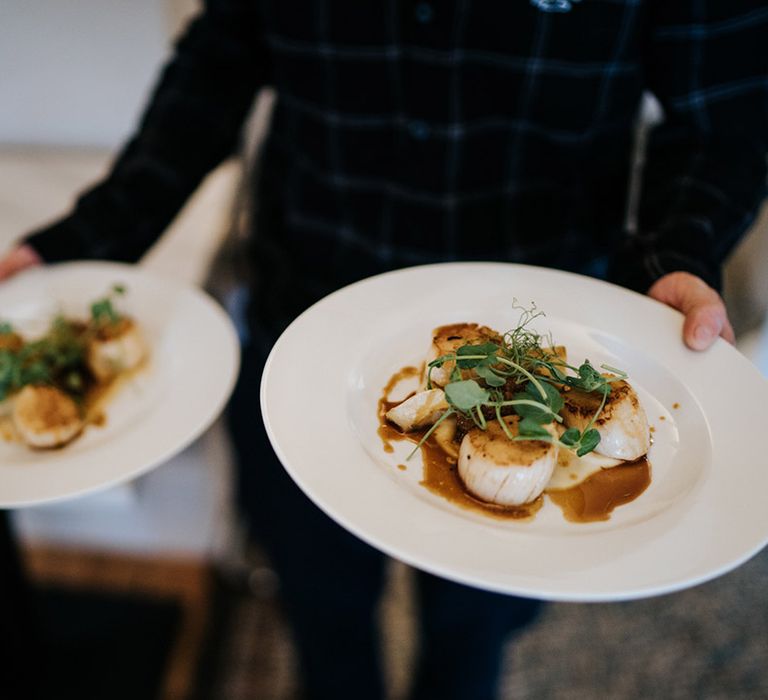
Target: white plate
(703, 514)
(193, 366)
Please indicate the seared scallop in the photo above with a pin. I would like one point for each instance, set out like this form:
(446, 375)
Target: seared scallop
(445, 437)
(418, 411)
(448, 339)
(45, 417)
(498, 470)
(622, 424)
(117, 348)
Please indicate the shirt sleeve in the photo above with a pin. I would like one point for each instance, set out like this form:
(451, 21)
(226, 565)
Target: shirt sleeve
(192, 123)
(705, 169)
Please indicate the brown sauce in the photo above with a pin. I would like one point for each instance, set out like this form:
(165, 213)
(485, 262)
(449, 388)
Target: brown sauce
(387, 431)
(596, 497)
(592, 500)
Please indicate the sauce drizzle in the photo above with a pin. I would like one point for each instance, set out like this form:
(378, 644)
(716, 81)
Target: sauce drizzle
(595, 498)
(388, 432)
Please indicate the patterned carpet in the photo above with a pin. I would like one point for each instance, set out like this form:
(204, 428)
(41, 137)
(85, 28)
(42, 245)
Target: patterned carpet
(706, 643)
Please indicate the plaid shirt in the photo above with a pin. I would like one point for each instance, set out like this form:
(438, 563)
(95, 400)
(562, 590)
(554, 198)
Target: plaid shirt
(408, 132)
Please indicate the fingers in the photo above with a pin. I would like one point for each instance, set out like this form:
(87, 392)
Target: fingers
(705, 315)
(18, 259)
(703, 324)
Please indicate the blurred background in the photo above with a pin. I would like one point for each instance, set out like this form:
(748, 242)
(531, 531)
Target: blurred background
(148, 590)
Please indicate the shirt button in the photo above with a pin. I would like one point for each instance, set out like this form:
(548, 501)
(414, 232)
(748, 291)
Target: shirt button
(419, 130)
(424, 12)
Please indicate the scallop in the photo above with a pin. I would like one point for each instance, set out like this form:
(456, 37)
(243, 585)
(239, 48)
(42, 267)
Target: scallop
(46, 417)
(622, 424)
(497, 470)
(117, 351)
(445, 437)
(418, 411)
(448, 339)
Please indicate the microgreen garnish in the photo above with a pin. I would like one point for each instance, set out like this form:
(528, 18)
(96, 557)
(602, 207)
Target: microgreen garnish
(49, 360)
(103, 310)
(59, 357)
(466, 395)
(483, 375)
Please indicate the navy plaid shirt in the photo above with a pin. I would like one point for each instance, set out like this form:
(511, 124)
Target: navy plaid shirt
(408, 132)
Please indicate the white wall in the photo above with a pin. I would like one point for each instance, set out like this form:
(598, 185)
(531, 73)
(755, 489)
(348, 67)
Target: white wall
(77, 72)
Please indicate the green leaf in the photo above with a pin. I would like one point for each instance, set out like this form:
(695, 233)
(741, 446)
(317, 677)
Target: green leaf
(5, 328)
(553, 402)
(570, 437)
(590, 377)
(490, 377)
(466, 394)
(479, 353)
(589, 441)
(528, 428)
(554, 399)
(532, 413)
(589, 380)
(102, 311)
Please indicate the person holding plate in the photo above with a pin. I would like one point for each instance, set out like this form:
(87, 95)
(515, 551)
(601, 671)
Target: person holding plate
(418, 132)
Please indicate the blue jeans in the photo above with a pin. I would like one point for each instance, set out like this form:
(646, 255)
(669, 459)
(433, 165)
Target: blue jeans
(331, 583)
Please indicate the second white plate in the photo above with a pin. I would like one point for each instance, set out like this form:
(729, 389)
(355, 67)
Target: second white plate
(191, 372)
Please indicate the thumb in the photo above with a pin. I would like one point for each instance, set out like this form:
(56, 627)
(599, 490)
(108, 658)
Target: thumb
(18, 259)
(705, 314)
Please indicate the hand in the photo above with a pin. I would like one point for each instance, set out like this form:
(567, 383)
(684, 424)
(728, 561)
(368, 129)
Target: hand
(705, 314)
(18, 259)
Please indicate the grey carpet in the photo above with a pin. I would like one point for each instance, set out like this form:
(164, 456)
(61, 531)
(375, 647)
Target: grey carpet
(707, 643)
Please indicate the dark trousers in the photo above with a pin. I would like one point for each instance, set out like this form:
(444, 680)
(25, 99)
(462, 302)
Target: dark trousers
(331, 583)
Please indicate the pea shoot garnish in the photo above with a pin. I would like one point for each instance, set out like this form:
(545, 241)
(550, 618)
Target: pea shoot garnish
(103, 310)
(521, 374)
(59, 357)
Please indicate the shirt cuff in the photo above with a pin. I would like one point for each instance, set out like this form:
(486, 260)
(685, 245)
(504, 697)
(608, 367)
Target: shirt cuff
(53, 244)
(639, 269)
